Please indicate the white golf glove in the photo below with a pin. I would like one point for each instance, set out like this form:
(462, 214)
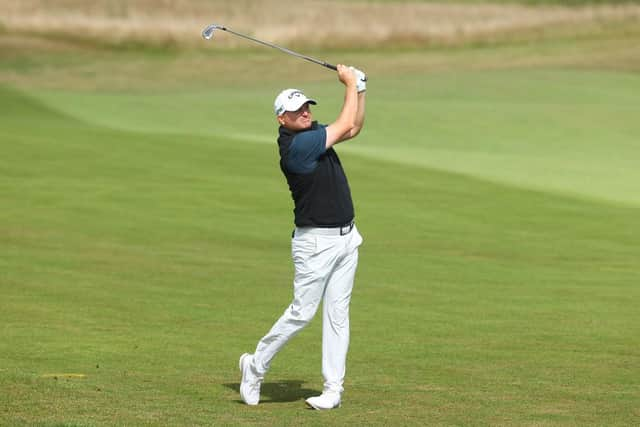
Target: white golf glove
(361, 80)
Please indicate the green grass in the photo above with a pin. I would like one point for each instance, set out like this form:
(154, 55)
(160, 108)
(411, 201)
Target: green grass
(553, 130)
(144, 245)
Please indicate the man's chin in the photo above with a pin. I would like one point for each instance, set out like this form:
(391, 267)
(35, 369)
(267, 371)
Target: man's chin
(302, 126)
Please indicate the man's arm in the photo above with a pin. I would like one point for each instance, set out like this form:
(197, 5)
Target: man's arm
(359, 122)
(346, 121)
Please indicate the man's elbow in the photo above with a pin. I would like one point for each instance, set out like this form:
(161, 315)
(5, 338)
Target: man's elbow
(355, 130)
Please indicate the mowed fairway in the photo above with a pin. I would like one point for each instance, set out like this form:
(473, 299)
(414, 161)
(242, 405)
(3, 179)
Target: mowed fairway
(144, 245)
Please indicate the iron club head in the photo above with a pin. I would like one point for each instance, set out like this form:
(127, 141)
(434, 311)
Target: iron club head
(207, 33)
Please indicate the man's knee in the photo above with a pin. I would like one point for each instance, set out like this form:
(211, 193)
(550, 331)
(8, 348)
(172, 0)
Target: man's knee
(302, 315)
(338, 316)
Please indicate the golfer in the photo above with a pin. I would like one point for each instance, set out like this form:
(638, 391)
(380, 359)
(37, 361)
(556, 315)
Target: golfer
(325, 241)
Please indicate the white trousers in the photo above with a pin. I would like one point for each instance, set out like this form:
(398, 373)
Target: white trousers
(325, 265)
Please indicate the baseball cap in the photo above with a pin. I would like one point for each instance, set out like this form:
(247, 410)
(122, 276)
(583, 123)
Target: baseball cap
(290, 100)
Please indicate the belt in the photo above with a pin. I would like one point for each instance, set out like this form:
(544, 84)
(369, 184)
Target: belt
(326, 231)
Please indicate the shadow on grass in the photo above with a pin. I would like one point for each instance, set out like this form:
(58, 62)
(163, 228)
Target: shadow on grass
(281, 391)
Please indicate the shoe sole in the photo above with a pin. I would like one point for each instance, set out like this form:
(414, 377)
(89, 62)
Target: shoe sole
(240, 363)
(311, 406)
(242, 360)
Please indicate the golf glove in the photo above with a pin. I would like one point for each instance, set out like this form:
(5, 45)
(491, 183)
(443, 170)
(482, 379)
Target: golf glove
(361, 80)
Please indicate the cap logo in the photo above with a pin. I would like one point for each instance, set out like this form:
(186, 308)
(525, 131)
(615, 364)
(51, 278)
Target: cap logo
(295, 93)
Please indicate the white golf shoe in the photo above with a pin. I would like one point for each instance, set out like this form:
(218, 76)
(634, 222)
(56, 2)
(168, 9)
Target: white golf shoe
(327, 400)
(250, 384)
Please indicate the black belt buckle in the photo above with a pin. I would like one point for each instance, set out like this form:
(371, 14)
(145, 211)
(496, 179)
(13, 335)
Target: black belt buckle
(346, 229)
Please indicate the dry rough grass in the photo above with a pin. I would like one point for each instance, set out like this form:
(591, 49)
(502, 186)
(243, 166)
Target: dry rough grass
(52, 44)
(314, 23)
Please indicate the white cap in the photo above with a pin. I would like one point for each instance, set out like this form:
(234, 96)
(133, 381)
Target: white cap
(290, 100)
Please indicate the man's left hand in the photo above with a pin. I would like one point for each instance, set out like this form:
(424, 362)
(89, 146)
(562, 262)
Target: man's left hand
(361, 80)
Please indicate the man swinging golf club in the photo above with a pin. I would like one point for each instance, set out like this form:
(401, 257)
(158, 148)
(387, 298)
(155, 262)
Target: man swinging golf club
(325, 241)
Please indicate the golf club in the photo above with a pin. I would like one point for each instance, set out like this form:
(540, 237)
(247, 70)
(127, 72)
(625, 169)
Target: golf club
(207, 34)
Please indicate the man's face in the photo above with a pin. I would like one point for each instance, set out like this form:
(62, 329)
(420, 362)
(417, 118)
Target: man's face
(297, 120)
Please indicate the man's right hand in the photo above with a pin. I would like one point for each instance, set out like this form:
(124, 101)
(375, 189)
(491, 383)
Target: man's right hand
(347, 75)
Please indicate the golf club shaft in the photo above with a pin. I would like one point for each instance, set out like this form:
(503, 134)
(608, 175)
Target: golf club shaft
(283, 49)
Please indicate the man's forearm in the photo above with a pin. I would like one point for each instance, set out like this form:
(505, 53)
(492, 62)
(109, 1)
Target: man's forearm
(359, 122)
(345, 122)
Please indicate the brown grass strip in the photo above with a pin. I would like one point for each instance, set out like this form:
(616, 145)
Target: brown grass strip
(311, 23)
